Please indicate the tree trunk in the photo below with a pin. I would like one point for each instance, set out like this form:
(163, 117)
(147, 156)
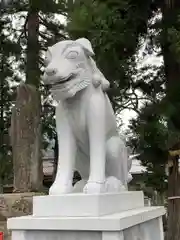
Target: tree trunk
(1, 125)
(70, 4)
(174, 204)
(2, 103)
(26, 140)
(56, 155)
(172, 73)
(32, 70)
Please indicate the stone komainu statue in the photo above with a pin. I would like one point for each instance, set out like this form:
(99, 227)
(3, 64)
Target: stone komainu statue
(86, 126)
(26, 140)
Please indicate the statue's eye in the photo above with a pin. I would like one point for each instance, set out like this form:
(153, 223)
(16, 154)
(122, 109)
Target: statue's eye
(72, 55)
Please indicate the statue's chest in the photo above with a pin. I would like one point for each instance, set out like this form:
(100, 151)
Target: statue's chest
(76, 113)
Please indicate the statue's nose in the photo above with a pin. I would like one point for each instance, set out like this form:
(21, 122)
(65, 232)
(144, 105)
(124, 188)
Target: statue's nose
(51, 71)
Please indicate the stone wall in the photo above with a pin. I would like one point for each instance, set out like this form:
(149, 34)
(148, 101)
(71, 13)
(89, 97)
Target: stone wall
(14, 205)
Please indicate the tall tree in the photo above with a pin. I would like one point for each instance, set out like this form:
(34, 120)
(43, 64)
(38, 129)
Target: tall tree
(8, 49)
(158, 123)
(170, 22)
(39, 29)
(26, 128)
(33, 47)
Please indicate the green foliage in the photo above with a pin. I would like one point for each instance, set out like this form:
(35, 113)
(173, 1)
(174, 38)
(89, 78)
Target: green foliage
(6, 167)
(150, 140)
(157, 127)
(114, 28)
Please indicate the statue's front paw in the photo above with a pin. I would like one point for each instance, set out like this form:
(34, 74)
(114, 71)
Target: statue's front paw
(57, 189)
(94, 188)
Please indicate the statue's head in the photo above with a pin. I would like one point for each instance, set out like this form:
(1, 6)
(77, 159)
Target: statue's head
(69, 67)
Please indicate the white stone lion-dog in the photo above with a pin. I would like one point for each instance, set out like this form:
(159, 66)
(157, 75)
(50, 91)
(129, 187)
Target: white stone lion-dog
(86, 126)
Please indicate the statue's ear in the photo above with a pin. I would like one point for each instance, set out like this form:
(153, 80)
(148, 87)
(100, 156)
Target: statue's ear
(86, 45)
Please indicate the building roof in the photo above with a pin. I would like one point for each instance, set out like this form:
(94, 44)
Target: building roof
(48, 158)
(136, 168)
(48, 167)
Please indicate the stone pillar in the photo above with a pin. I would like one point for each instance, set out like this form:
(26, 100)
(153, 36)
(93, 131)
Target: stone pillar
(26, 140)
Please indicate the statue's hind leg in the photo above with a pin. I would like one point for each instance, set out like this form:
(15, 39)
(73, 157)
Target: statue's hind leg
(117, 159)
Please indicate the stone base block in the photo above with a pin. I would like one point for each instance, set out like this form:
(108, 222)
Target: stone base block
(142, 224)
(86, 205)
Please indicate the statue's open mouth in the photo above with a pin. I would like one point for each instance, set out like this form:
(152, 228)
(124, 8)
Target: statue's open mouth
(64, 81)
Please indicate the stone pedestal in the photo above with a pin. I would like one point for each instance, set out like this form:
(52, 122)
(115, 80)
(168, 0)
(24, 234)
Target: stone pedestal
(119, 216)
